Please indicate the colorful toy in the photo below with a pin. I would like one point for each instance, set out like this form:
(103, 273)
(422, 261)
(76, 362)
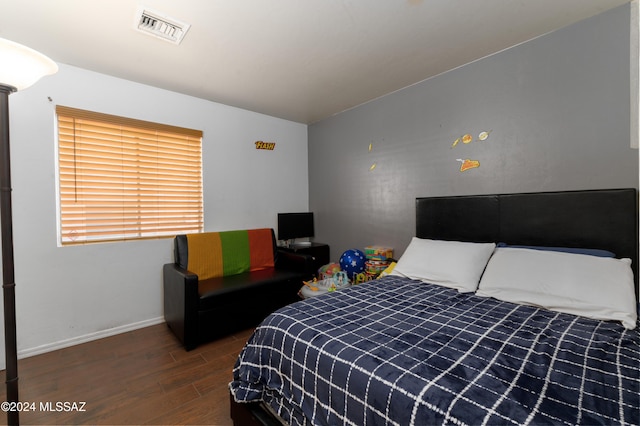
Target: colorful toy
(388, 270)
(338, 281)
(327, 271)
(352, 262)
(317, 287)
(378, 252)
(310, 284)
(359, 278)
(378, 259)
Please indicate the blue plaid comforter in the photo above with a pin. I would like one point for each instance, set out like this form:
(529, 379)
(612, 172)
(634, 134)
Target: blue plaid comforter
(397, 351)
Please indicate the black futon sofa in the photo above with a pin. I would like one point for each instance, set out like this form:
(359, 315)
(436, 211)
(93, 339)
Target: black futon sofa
(224, 282)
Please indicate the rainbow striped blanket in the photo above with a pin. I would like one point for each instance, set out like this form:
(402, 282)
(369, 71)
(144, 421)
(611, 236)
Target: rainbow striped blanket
(217, 254)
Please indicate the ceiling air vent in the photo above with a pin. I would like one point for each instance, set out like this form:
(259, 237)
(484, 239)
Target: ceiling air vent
(155, 24)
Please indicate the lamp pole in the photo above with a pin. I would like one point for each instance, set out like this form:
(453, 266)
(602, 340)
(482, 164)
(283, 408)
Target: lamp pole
(8, 282)
(20, 67)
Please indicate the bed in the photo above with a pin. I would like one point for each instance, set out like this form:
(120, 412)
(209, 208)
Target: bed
(456, 338)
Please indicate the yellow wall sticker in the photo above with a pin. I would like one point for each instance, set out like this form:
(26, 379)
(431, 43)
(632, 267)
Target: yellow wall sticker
(269, 146)
(468, 164)
(483, 135)
(467, 138)
(374, 164)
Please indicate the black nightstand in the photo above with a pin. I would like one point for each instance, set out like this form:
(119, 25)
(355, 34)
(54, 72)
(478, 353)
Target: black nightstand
(319, 252)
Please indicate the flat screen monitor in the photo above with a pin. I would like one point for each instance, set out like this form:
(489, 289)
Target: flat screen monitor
(295, 225)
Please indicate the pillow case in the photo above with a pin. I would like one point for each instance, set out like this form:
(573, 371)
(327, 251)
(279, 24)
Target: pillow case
(594, 287)
(452, 264)
(591, 252)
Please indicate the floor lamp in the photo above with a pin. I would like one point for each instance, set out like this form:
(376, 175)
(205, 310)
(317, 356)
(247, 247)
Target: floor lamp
(20, 67)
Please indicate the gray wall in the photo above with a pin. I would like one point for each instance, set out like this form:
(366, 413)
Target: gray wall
(557, 108)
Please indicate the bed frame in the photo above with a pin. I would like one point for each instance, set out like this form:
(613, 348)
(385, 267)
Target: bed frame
(599, 219)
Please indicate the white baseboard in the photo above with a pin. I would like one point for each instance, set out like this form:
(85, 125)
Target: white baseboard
(25, 353)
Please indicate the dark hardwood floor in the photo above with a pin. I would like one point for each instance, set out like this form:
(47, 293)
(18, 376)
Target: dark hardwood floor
(139, 377)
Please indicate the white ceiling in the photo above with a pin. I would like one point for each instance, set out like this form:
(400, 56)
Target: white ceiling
(301, 60)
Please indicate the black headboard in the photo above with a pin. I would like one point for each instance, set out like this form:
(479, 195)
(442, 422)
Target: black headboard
(603, 219)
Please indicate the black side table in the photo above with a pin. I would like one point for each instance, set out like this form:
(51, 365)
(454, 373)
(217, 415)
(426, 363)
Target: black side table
(319, 252)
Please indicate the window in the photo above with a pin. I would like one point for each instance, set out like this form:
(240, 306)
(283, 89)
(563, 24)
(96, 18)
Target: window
(122, 179)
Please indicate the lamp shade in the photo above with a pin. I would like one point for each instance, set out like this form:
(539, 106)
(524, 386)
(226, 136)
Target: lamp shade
(20, 66)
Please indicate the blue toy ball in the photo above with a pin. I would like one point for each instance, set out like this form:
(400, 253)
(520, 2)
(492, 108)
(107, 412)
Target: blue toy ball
(352, 262)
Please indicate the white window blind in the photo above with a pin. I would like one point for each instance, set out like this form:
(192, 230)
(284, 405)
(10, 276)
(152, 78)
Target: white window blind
(121, 178)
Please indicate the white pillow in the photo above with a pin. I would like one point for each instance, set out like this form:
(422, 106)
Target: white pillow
(593, 287)
(452, 264)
